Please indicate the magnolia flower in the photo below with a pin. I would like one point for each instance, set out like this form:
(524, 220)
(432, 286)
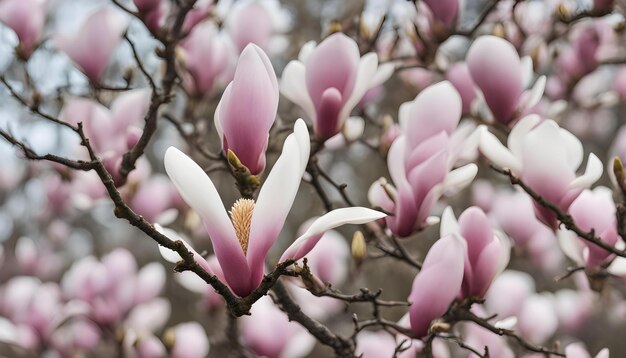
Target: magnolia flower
(421, 160)
(329, 80)
(259, 332)
(242, 241)
(255, 22)
(592, 210)
(113, 131)
(459, 75)
(437, 284)
(247, 110)
(545, 157)
(487, 251)
(152, 12)
(205, 57)
(92, 46)
(445, 14)
(189, 340)
(501, 75)
(27, 18)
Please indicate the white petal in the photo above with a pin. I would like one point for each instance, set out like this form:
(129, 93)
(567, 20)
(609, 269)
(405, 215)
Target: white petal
(573, 148)
(192, 282)
(366, 71)
(198, 191)
(505, 250)
(531, 97)
(277, 195)
(518, 133)
(293, 86)
(306, 51)
(459, 178)
(571, 246)
(331, 220)
(507, 323)
(527, 70)
(404, 113)
(383, 73)
(167, 217)
(491, 148)
(395, 161)
(593, 172)
(353, 128)
(432, 220)
(604, 353)
(617, 267)
(449, 224)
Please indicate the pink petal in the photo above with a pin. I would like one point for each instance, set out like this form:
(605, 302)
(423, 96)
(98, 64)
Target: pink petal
(496, 69)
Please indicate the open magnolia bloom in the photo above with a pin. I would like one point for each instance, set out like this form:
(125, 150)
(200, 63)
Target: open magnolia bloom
(328, 81)
(421, 161)
(242, 241)
(545, 157)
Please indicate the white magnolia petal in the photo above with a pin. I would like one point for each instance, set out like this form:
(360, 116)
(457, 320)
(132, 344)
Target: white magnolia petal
(617, 267)
(532, 96)
(8, 332)
(198, 191)
(573, 148)
(306, 51)
(449, 224)
(505, 251)
(432, 220)
(395, 161)
(571, 246)
(507, 323)
(518, 133)
(173, 256)
(192, 282)
(367, 69)
(604, 353)
(293, 86)
(404, 113)
(277, 195)
(459, 178)
(167, 217)
(593, 172)
(330, 220)
(527, 70)
(217, 119)
(491, 148)
(383, 73)
(353, 128)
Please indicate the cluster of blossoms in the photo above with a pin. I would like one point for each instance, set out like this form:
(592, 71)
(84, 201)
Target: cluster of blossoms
(467, 148)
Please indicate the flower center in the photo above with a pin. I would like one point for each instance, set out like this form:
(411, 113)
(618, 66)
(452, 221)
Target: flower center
(241, 216)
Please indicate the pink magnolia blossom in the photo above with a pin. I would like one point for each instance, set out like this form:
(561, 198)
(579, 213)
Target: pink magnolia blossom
(329, 80)
(190, 341)
(93, 45)
(438, 283)
(269, 333)
(27, 18)
(242, 244)
(592, 210)
(537, 320)
(248, 108)
(546, 158)
(200, 12)
(154, 198)
(508, 293)
(479, 338)
(205, 57)
(421, 160)
(460, 77)
(113, 131)
(153, 13)
(496, 69)
(445, 12)
(254, 22)
(487, 251)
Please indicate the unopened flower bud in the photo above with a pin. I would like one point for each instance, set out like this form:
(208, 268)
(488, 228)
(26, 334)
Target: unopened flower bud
(359, 247)
(169, 338)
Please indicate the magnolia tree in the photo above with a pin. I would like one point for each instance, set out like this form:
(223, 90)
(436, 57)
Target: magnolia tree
(192, 178)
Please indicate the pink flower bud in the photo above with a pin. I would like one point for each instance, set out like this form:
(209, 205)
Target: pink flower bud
(248, 108)
(27, 19)
(460, 77)
(92, 46)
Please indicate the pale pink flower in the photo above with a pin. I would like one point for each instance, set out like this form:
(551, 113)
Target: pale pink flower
(487, 252)
(92, 46)
(329, 80)
(248, 108)
(438, 283)
(578, 350)
(242, 244)
(190, 341)
(501, 75)
(546, 158)
(27, 18)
